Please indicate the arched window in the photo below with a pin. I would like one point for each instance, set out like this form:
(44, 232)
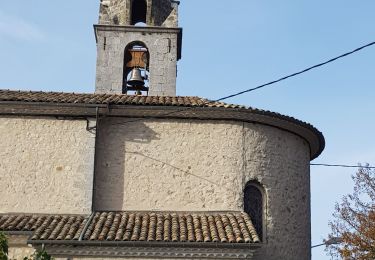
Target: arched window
(254, 205)
(139, 12)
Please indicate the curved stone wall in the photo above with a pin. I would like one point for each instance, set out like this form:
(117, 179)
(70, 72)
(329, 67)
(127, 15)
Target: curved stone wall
(192, 165)
(280, 162)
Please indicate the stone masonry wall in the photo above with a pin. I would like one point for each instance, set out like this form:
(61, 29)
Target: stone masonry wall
(111, 9)
(164, 13)
(188, 165)
(46, 165)
(159, 12)
(162, 47)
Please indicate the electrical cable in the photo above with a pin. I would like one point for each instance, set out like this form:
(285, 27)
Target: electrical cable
(341, 165)
(299, 72)
(269, 83)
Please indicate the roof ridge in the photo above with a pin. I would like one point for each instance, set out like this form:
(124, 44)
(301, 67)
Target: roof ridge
(108, 98)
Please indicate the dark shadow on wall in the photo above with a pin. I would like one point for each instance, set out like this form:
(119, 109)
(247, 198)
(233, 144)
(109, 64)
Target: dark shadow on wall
(161, 10)
(110, 169)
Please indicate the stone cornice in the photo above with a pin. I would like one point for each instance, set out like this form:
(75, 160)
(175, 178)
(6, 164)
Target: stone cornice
(207, 252)
(146, 29)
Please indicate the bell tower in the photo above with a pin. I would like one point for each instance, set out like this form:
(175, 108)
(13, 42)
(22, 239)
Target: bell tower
(138, 46)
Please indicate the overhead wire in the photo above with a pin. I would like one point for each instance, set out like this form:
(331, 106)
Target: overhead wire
(274, 82)
(299, 72)
(342, 165)
(264, 85)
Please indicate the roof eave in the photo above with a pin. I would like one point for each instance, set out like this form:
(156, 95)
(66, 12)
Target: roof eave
(146, 244)
(152, 250)
(306, 131)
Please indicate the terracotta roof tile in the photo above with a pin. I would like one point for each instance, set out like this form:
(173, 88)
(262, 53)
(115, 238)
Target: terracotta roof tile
(60, 228)
(172, 227)
(112, 99)
(45, 227)
(203, 227)
(17, 222)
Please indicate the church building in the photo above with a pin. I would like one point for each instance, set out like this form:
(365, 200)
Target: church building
(134, 171)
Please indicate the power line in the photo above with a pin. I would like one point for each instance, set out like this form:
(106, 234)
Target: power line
(266, 84)
(300, 72)
(341, 165)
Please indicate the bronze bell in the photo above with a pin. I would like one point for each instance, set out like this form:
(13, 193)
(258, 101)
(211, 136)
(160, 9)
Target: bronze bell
(136, 78)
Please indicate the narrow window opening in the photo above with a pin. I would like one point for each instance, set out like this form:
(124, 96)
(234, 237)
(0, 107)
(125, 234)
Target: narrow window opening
(139, 12)
(254, 206)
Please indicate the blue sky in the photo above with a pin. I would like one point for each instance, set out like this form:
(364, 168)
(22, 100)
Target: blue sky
(229, 46)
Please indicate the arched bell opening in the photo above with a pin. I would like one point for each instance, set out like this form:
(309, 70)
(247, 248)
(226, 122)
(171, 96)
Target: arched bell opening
(136, 69)
(254, 205)
(138, 12)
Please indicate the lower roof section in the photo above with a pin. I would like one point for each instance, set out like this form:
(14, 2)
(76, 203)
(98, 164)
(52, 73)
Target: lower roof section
(135, 228)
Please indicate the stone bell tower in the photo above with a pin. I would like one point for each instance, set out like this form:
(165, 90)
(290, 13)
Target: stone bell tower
(138, 39)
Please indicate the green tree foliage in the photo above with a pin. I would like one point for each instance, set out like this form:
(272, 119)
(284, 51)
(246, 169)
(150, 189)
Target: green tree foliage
(42, 255)
(39, 256)
(3, 247)
(354, 220)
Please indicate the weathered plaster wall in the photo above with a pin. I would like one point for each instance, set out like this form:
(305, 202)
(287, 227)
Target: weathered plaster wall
(204, 166)
(46, 165)
(162, 47)
(18, 248)
(168, 166)
(280, 162)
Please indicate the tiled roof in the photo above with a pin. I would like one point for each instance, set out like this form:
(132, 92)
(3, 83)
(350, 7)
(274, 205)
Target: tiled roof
(64, 227)
(234, 227)
(111, 99)
(172, 227)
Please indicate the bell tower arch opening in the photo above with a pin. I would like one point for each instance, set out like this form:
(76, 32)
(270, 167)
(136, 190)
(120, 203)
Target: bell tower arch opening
(136, 68)
(254, 205)
(138, 12)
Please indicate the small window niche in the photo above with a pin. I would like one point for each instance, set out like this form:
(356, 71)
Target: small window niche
(254, 205)
(139, 12)
(136, 69)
